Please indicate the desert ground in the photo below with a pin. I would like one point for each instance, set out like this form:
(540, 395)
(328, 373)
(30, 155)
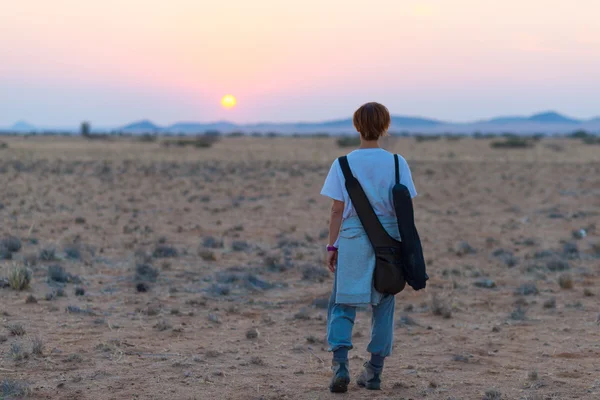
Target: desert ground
(198, 273)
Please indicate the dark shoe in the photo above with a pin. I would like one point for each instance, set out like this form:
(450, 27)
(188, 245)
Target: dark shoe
(369, 378)
(341, 377)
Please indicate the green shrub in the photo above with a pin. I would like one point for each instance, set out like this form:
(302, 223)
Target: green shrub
(591, 140)
(348, 141)
(427, 138)
(200, 141)
(580, 134)
(512, 143)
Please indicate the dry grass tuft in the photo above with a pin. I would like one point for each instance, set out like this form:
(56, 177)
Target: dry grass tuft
(565, 281)
(19, 278)
(15, 329)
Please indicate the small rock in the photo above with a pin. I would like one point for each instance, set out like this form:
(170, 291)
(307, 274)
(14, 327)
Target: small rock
(214, 318)
(80, 220)
(240, 245)
(142, 287)
(506, 257)
(527, 289)
(164, 251)
(493, 395)
(460, 358)
(550, 303)
(532, 375)
(31, 299)
(406, 321)
(579, 234)
(252, 333)
(485, 283)
(303, 314)
(212, 243)
(570, 249)
(79, 291)
(463, 248)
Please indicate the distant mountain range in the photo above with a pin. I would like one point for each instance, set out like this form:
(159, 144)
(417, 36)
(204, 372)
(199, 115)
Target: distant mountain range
(549, 122)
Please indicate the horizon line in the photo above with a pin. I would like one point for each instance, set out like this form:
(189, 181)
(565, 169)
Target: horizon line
(323, 121)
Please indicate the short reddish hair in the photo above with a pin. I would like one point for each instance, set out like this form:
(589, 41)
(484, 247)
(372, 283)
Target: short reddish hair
(372, 120)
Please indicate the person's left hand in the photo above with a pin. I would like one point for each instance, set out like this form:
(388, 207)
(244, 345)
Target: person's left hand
(332, 260)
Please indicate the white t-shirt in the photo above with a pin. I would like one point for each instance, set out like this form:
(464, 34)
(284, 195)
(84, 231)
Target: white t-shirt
(376, 172)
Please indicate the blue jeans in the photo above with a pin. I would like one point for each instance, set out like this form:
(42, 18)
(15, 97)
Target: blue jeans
(340, 321)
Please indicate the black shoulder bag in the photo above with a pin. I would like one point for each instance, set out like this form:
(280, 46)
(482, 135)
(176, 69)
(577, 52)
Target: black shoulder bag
(413, 262)
(388, 277)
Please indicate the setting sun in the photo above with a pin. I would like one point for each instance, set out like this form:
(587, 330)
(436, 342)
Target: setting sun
(228, 101)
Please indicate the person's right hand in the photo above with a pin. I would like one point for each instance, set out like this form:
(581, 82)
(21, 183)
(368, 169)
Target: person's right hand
(332, 260)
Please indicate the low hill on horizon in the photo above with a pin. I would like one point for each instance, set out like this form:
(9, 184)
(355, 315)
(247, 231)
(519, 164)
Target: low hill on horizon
(549, 122)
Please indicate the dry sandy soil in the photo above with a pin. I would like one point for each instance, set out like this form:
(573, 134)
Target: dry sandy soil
(246, 320)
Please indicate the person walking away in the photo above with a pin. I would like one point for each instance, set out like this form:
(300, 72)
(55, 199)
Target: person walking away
(350, 255)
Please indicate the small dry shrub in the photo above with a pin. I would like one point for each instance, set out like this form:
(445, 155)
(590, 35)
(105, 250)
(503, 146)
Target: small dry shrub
(565, 281)
(532, 375)
(348, 141)
(550, 303)
(207, 255)
(19, 278)
(16, 352)
(37, 346)
(162, 325)
(492, 394)
(512, 143)
(31, 299)
(13, 389)
(255, 360)
(15, 329)
(440, 307)
(200, 141)
(74, 358)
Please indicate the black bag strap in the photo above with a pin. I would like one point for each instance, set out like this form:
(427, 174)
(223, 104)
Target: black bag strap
(376, 233)
(397, 165)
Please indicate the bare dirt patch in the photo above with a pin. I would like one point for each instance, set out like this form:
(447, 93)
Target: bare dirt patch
(192, 273)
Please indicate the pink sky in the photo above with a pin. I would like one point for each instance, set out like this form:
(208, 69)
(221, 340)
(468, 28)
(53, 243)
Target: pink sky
(115, 61)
